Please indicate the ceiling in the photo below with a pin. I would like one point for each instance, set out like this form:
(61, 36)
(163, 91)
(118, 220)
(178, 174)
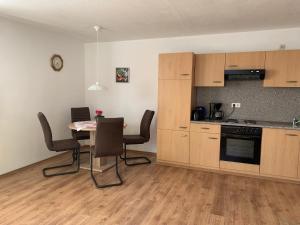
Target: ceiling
(139, 19)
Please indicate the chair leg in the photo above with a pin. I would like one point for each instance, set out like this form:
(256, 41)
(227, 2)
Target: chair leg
(105, 185)
(75, 156)
(126, 159)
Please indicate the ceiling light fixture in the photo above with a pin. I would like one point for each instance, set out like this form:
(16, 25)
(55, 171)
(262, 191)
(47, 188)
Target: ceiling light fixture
(97, 86)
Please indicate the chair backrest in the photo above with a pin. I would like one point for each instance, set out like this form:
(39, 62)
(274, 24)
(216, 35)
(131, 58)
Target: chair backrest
(46, 130)
(146, 123)
(109, 137)
(80, 114)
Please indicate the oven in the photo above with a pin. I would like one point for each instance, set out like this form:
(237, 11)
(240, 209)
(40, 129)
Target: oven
(240, 144)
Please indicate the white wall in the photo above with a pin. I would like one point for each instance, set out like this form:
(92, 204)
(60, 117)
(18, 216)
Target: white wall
(29, 85)
(130, 100)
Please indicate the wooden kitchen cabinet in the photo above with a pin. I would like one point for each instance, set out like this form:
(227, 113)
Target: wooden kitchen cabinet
(299, 167)
(174, 104)
(173, 146)
(176, 65)
(282, 69)
(245, 60)
(280, 153)
(176, 72)
(209, 70)
(204, 150)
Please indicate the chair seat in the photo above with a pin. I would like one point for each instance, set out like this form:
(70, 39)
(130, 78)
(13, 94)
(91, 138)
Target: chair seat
(81, 135)
(133, 139)
(64, 145)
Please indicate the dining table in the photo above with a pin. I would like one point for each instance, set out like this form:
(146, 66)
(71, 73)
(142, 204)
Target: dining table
(102, 163)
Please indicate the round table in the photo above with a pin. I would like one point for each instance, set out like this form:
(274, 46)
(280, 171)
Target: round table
(101, 164)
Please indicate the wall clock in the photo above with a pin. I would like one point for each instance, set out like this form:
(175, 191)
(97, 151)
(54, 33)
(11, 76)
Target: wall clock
(56, 62)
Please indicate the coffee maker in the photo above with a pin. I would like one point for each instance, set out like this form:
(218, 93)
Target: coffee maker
(215, 112)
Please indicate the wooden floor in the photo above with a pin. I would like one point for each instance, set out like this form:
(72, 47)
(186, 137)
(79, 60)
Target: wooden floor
(151, 194)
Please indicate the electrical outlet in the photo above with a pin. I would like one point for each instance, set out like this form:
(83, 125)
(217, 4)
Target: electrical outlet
(236, 105)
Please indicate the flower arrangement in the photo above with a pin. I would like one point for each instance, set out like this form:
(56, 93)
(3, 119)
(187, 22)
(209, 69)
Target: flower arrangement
(98, 114)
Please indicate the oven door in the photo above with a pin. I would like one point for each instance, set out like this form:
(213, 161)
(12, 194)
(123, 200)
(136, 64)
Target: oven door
(240, 148)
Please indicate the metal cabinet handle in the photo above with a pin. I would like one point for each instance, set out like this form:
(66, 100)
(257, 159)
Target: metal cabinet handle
(184, 74)
(183, 127)
(292, 81)
(217, 81)
(292, 135)
(204, 128)
(213, 138)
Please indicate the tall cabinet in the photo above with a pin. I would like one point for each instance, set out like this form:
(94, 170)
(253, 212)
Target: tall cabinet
(174, 106)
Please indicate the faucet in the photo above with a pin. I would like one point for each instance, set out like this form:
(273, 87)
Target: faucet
(296, 121)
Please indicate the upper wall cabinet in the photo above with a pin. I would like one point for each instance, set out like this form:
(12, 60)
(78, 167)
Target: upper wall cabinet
(209, 70)
(245, 60)
(176, 65)
(282, 69)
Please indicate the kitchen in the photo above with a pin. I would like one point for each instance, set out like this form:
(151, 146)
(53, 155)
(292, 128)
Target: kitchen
(253, 127)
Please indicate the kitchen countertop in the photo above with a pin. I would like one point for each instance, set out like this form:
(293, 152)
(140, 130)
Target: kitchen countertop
(267, 124)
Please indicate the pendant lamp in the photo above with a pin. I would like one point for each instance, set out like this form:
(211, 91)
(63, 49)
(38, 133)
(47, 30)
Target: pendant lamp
(96, 86)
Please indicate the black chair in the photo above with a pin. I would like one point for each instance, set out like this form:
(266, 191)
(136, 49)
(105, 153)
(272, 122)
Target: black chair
(77, 115)
(141, 138)
(59, 146)
(108, 142)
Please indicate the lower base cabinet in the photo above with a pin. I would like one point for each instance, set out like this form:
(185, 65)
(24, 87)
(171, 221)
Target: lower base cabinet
(280, 153)
(205, 150)
(173, 146)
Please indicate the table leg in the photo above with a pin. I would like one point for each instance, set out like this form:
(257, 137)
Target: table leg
(100, 164)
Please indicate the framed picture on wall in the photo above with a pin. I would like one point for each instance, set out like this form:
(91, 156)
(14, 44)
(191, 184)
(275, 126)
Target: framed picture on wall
(122, 74)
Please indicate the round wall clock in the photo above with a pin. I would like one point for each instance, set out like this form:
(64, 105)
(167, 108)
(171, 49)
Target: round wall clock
(56, 62)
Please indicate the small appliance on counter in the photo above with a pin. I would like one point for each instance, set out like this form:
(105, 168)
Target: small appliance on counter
(215, 112)
(199, 113)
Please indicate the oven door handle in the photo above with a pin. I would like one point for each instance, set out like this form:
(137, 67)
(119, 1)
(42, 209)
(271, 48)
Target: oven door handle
(246, 137)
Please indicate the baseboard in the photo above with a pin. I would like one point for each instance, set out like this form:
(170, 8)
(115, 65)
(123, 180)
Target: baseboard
(32, 165)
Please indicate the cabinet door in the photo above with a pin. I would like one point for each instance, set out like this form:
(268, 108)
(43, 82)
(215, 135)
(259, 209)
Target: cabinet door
(209, 70)
(182, 101)
(282, 69)
(176, 66)
(174, 104)
(205, 149)
(180, 146)
(164, 144)
(173, 146)
(280, 152)
(245, 60)
(299, 166)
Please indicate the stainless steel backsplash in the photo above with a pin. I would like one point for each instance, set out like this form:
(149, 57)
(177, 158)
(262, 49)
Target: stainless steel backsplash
(257, 102)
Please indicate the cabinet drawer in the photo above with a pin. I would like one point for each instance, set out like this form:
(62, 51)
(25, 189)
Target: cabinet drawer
(205, 128)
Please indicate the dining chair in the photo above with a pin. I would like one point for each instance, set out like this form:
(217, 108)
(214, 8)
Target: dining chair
(141, 138)
(108, 142)
(77, 115)
(59, 146)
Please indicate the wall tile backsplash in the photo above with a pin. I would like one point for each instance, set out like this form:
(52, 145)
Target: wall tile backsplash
(257, 102)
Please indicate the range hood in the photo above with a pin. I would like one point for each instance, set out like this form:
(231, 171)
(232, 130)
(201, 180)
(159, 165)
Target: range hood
(254, 74)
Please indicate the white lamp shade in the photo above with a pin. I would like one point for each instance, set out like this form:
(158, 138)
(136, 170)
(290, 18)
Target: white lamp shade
(95, 87)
